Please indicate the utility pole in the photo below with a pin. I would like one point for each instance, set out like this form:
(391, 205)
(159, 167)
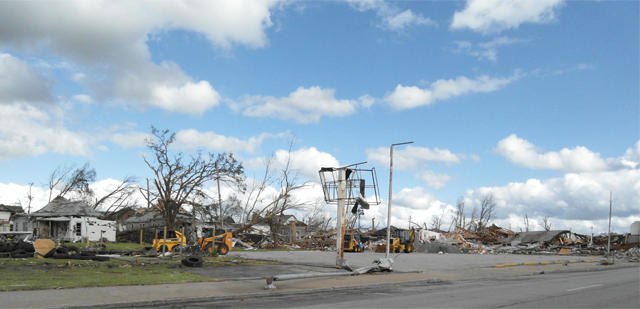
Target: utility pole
(390, 195)
(609, 236)
(342, 188)
(219, 197)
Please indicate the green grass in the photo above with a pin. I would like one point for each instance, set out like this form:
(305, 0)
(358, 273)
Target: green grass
(34, 273)
(119, 246)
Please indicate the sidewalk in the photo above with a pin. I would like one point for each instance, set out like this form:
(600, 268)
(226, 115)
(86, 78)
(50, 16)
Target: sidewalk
(127, 296)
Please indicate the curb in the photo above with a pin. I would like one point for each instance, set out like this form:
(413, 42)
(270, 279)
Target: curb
(191, 300)
(545, 263)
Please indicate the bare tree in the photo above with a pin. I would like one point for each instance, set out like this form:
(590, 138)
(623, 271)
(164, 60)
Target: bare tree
(69, 180)
(526, 222)
(436, 222)
(179, 180)
(117, 197)
(487, 207)
(547, 223)
(459, 219)
(259, 207)
(29, 199)
(473, 225)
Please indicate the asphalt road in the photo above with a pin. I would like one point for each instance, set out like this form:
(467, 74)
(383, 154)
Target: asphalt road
(616, 288)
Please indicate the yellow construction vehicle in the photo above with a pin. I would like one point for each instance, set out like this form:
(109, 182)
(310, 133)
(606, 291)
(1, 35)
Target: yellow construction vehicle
(351, 243)
(170, 244)
(404, 243)
(220, 244)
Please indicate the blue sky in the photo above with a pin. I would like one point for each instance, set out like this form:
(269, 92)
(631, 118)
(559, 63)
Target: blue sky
(536, 102)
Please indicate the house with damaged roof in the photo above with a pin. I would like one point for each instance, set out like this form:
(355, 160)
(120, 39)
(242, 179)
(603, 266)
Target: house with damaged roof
(7, 217)
(67, 220)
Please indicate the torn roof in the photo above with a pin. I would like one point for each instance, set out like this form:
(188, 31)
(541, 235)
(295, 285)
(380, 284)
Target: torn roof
(61, 206)
(11, 209)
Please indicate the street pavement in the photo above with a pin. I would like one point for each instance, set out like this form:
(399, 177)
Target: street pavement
(617, 288)
(246, 283)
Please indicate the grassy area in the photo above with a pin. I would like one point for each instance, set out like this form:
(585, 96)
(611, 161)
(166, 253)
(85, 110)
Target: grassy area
(35, 273)
(119, 246)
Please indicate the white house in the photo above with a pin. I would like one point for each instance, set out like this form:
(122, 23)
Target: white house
(7, 216)
(67, 220)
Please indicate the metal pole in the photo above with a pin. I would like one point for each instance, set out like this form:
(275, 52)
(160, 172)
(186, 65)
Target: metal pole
(219, 197)
(390, 195)
(340, 217)
(609, 236)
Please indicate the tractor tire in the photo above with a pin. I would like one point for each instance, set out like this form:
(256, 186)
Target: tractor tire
(223, 249)
(177, 249)
(192, 261)
(73, 250)
(21, 253)
(210, 249)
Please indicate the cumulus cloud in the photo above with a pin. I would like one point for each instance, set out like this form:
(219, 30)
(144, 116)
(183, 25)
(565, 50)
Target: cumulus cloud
(304, 105)
(116, 52)
(577, 159)
(433, 180)
(497, 15)
(411, 157)
(191, 139)
(485, 50)
(20, 83)
(392, 17)
(30, 131)
(306, 162)
(414, 203)
(406, 97)
(577, 198)
(194, 139)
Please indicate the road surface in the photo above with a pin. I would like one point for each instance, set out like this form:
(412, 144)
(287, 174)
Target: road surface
(616, 288)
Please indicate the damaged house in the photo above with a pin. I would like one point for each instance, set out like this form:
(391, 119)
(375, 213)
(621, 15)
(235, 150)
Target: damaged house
(7, 217)
(67, 220)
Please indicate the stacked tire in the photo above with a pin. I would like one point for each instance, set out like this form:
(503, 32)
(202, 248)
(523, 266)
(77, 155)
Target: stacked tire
(17, 249)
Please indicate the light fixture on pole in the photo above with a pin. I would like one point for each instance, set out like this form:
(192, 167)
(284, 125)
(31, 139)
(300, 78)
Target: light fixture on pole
(390, 191)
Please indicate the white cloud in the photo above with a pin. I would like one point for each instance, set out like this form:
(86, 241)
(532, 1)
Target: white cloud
(406, 18)
(433, 180)
(193, 139)
(20, 83)
(491, 16)
(485, 50)
(405, 97)
(82, 98)
(393, 18)
(577, 159)
(575, 198)
(130, 139)
(411, 157)
(116, 52)
(414, 203)
(31, 131)
(306, 162)
(190, 97)
(304, 105)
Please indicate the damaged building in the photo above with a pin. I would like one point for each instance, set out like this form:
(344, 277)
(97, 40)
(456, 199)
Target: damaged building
(66, 220)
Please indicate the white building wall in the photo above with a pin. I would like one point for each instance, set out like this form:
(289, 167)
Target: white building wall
(93, 228)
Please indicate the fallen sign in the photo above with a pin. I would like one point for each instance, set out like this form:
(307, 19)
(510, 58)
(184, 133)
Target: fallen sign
(379, 265)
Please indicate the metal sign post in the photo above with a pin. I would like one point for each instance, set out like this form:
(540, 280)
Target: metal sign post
(340, 217)
(348, 185)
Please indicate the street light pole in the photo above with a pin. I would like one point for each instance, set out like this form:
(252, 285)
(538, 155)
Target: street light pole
(390, 194)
